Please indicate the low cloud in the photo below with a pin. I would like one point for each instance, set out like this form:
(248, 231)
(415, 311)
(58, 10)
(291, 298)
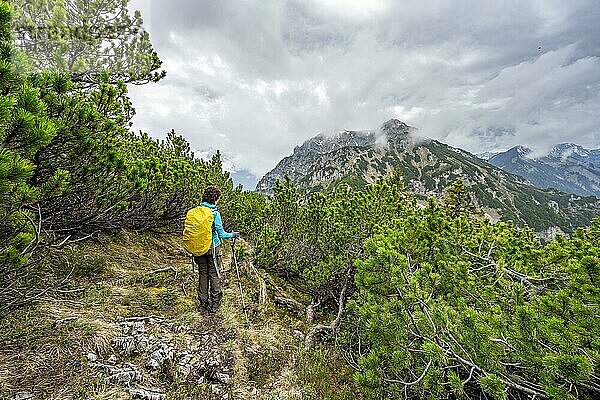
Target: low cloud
(256, 78)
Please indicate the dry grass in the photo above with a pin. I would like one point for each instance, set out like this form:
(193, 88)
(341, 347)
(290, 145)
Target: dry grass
(41, 346)
(42, 354)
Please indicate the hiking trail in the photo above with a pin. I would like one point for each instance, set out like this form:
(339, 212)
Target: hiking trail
(129, 329)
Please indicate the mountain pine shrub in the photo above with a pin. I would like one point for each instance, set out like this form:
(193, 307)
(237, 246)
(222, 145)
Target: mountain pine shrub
(455, 305)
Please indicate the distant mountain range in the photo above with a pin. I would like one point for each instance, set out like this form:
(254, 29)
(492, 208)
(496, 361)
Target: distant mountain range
(429, 166)
(567, 167)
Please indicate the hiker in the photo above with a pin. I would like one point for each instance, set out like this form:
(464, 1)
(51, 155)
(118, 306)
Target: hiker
(209, 262)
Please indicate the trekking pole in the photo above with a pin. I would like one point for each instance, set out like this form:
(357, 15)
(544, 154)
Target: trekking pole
(237, 271)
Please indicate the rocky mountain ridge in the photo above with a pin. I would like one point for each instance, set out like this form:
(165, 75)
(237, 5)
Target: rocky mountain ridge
(567, 167)
(300, 163)
(428, 167)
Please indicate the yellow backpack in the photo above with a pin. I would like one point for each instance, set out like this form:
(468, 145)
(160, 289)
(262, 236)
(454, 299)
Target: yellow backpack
(197, 232)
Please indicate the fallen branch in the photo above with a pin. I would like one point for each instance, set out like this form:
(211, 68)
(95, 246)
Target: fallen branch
(282, 297)
(33, 295)
(291, 303)
(262, 291)
(66, 291)
(317, 329)
(167, 269)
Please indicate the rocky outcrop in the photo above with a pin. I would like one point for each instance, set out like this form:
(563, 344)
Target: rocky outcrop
(23, 396)
(300, 163)
(143, 394)
(146, 348)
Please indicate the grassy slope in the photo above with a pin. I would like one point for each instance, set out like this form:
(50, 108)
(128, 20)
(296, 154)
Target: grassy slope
(41, 346)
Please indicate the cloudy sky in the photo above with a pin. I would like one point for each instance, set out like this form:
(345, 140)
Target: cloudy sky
(254, 78)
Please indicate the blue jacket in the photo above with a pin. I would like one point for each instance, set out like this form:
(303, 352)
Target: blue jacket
(218, 232)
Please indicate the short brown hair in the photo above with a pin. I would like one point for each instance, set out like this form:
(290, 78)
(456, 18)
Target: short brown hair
(211, 194)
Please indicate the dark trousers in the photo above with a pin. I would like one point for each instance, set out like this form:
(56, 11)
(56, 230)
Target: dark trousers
(209, 282)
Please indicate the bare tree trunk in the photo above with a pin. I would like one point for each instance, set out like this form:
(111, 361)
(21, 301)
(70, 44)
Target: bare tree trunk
(309, 340)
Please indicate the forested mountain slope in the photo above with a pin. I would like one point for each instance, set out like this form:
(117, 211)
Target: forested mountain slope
(428, 167)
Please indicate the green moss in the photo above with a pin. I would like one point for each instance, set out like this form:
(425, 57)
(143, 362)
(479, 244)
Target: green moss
(323, 375)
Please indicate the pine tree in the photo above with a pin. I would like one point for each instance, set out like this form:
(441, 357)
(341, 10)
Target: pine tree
(24, 129)
(92, 41)
(459, 308)
(431, 301)
(69, 164)
(458, 200)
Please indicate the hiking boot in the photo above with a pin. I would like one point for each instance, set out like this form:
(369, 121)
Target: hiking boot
(214, 307)
(203, 307)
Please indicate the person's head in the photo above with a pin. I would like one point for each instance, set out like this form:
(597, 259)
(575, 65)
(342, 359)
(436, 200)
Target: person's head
(211, 194)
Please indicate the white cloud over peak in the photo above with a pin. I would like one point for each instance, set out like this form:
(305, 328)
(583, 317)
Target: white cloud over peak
(256, 78)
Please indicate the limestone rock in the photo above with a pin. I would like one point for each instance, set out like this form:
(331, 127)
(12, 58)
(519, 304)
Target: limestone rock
(144, 394)
(158, 357)
(23, 396)
(124, 374)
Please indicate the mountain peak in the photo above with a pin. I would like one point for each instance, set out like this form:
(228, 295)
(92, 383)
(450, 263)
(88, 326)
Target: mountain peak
(395, 126)
(357, 158)
(323, 143)
(565, 150)
(519, 151)
(486, 155)
(509, 156)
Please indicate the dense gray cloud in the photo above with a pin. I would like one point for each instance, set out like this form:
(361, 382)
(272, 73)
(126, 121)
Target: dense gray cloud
(255, 78)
